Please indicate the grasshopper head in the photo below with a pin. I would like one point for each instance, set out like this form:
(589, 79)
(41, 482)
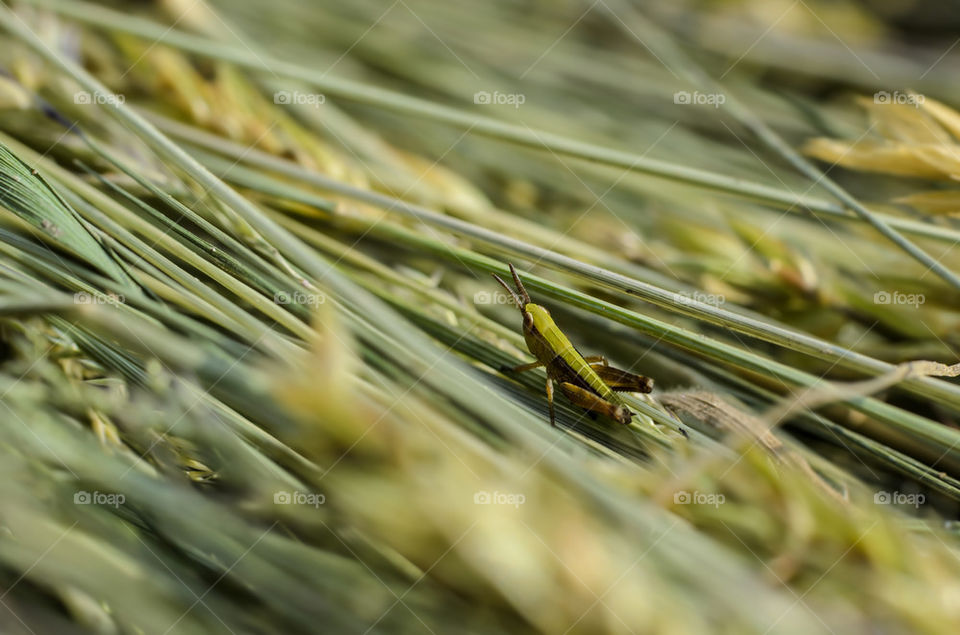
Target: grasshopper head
(535, 317)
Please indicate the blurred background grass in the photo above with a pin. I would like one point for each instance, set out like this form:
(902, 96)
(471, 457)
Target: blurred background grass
(249, 336)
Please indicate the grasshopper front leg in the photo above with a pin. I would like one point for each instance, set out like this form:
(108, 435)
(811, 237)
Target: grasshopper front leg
(594, 403)
(522, 368)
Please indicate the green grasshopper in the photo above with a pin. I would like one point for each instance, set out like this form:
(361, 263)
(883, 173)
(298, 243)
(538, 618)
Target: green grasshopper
(588, 382)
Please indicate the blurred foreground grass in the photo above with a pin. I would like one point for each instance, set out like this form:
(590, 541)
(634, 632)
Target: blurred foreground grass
(250, 340)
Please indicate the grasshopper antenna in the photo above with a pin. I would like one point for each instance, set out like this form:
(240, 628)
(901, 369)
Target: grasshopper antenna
(523, 292)
(513, 293)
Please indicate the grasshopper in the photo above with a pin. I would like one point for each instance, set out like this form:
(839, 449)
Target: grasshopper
(588, 382)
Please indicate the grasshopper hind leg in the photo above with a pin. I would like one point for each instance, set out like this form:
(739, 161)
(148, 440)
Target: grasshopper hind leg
(595, 359)
(594, 403)
(622, 380)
